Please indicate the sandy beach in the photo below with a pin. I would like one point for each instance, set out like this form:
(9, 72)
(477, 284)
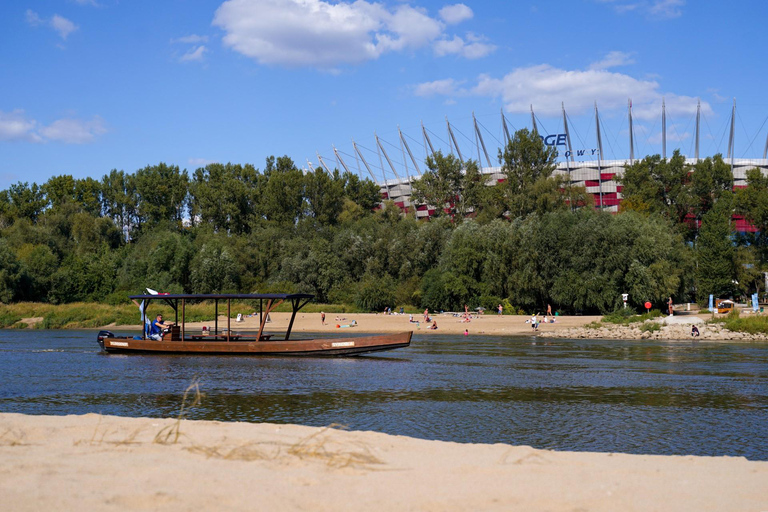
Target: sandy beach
(490, 324)
(95, 462)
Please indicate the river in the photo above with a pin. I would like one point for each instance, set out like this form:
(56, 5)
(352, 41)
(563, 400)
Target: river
(646, 397)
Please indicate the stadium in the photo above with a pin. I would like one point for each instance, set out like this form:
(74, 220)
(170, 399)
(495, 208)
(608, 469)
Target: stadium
(395, 169)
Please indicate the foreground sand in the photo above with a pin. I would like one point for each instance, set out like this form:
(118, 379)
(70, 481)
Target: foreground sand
(97, 462)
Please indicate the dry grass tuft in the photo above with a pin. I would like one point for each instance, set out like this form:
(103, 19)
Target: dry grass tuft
(319, 446)
(13, 437)
(171, 433)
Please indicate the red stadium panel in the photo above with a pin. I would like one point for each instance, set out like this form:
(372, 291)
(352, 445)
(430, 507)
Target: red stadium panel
(607, 176)
(591, 183)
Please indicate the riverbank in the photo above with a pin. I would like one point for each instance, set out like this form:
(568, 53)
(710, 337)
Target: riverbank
(95, 462)
(123, 318)
(573, 327)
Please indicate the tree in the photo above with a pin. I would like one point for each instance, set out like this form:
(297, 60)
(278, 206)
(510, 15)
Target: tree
(448, 185)
(716, 271)
(162, 194)
(324, 194)
(528, 164)
(119, 199)
(26, 201)
(752, 203)
(10, 273)
(658, 186)
(281, 189)
(225, 196)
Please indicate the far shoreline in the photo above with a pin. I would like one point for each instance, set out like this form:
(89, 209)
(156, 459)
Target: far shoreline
(564, 326)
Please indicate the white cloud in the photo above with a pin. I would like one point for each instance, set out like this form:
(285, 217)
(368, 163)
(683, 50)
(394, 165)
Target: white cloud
(74, 131)
(15, 126)
(63, 26)
(469, 49)
(200, 162)
(447, 87)
(545, 87)
(191, 39)
(60, 24)
(658, 9)
(611, 60)
(33, 18)
(195, 54)
(453, 14)
(667, 8)
(326, 34)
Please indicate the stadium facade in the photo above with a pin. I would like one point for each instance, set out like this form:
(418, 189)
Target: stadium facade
(594, 173)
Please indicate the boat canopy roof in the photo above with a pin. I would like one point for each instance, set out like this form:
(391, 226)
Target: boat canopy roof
(224, 296)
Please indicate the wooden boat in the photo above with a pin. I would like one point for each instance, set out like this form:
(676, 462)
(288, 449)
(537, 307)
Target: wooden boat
(178, 339)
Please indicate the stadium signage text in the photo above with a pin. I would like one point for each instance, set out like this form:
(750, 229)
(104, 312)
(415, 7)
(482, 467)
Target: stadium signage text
(560, 139)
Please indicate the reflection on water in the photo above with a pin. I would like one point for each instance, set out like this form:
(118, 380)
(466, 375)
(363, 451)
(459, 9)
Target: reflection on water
(583, 395)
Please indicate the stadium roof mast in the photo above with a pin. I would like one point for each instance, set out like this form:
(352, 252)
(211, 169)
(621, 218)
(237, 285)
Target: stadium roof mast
(357, 150)
(341, 161)
(631, 136)
(428, 149)
(663, 130)
(323, 163)
(698, 129)
(387, 157)
(599, 157)
(506, 130)
(570, 153)
(765, 151)
(533, 121)
(567, 134)
(451, 138)
(479, 137)
(403, 141)
(730, 137)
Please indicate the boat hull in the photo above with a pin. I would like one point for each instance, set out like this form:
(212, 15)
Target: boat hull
(314, 347)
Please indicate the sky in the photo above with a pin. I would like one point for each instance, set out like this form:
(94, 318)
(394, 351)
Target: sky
(87, 86)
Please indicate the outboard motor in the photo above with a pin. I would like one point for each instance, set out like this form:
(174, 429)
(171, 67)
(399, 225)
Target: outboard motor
(104, 334)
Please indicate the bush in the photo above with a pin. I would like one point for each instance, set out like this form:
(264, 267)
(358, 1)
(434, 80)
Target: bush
(651, 327)
(375, 294)
(7, 319)
(629, 316)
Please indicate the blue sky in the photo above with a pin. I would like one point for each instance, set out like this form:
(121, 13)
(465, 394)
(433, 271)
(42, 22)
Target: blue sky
(87, 86)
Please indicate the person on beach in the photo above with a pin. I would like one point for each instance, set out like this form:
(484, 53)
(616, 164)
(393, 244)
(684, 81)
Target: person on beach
(549, 310)
(669, 306)
(433, 326)
(534, 322)
(466, 332)
(426, 315)
(322, 317)
(500, 309)
(694, 331)
(157, 328)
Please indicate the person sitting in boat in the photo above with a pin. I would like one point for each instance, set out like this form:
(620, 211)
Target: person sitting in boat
(157, 328)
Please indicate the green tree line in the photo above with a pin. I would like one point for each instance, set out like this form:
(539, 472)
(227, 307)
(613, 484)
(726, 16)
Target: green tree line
(530, 240)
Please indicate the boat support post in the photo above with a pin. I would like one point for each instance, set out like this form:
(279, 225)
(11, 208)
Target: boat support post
(295, 306)
(270, 306)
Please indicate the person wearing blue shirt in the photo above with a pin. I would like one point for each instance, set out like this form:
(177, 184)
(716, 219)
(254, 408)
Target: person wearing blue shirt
(157, 327)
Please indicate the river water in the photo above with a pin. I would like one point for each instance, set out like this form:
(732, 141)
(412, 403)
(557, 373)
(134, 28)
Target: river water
(646, 397)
